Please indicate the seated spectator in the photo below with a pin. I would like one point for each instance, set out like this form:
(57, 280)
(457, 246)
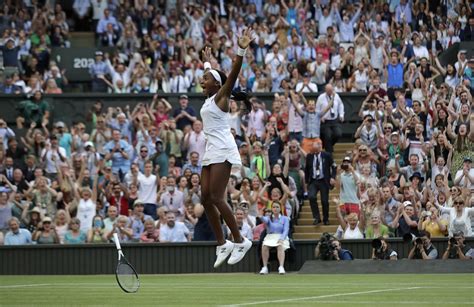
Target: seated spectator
(174, 231)
(137, 220)
(8, 87)
(75, 235)
(349, 228)
(46, 234)
(151, 233)
(277, 230)
(381, 250)
(376, 229)
(457, 249)
(423, 248)
(244, 227)
(61, 223)
(124, 233)
(97, 233)
(17, 235)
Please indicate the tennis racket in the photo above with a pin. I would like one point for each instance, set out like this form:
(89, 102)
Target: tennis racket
(127, 277)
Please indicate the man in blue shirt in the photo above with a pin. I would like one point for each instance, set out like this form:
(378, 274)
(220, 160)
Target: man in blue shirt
(17, 235)
(193, 163)
(119, 151)
(395, 71)
(98, 71)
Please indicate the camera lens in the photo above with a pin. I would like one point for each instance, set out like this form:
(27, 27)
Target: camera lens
(376, 243)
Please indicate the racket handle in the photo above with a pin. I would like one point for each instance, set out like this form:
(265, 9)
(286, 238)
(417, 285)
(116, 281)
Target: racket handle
(117, 242)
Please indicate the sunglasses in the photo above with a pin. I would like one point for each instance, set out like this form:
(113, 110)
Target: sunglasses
(362, 150)
(459, 203)
(387, 128)
(143, 150)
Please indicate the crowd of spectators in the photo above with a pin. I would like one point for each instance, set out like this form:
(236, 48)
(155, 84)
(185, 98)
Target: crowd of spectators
(136, 170)
(302, 44)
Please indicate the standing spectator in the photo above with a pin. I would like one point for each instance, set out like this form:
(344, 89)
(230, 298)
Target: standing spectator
(51, 156)
(81, 10)
(195, 141)
(118, 151)
(174, 231)
(147, 189)
(173, 199)
(348, 181)
(331, 129)
(406, 221)
(160, 159)
(257, 119)
(86, 204)
(98, 72)
(320, 174)
(184, 115)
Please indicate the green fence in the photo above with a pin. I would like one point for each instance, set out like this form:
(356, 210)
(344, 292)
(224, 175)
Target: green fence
(72, 108)
(169, 258)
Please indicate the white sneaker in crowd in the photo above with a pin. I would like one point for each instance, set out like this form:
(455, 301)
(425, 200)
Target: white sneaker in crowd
(264, 271)
(281, 270)
(239, 251)
(222, 252)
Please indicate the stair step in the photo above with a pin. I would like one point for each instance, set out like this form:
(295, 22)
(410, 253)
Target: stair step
(306, 221)
(313, 229)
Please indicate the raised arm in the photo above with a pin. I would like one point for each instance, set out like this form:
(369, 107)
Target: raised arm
(222, 97)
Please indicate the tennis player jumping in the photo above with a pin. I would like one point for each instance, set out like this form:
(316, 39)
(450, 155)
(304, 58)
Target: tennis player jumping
(221, 152)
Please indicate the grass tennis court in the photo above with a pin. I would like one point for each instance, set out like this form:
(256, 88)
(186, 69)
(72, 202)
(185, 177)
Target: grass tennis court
(242, 290)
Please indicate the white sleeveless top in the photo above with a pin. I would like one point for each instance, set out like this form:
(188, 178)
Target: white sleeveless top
(85, 213)
(352, 233)
(220, 145)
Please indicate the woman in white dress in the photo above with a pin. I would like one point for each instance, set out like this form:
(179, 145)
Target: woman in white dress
(221, 152)
(85, 202)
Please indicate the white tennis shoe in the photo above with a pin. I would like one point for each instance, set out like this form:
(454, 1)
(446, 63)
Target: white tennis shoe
(240, 249)
(222, 252)
(281, 270)
(264, 271)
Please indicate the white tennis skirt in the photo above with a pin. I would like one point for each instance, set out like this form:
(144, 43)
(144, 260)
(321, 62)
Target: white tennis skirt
(272, 241)
(213, 156)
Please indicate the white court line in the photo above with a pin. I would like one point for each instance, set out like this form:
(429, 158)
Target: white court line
(24, 286)
(321, 296)
(381, 303)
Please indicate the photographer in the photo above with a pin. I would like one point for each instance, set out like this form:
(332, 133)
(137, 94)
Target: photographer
(381, 250)
(329, 248)
(456, 248)
(422, 248)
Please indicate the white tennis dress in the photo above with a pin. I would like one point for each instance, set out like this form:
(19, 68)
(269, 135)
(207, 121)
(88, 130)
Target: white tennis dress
(220, 145)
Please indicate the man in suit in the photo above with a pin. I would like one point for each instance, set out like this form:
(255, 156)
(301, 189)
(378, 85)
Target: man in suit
(468, 33)
(320, 174)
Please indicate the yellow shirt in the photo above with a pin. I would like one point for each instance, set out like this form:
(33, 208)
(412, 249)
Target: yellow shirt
(433, 228)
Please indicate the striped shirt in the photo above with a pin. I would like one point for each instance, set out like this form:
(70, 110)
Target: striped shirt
(98, 68)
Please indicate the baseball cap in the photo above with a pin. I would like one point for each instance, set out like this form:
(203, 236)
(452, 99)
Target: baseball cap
(60, 125)
(346, 158)
(138, 202)
(467, 159)
(183, 96)
(88, 143)
(98, 52)
(407, 203)
(47, 219)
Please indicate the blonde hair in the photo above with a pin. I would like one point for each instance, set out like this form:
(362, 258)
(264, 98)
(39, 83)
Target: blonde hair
(352, 217)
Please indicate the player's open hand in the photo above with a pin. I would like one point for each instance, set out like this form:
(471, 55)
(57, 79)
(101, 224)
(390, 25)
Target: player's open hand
(207, 54)
(246, 38)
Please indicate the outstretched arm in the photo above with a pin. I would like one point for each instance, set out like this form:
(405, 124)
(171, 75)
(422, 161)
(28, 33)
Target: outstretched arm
(222, 97)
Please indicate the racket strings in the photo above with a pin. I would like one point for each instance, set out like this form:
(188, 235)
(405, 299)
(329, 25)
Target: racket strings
(127, 277)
